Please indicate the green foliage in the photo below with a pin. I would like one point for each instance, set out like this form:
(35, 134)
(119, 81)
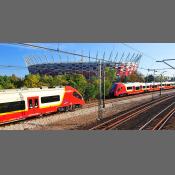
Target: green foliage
(77, 81)
(110, 75)
(88, 88)
(149, 78)
(91, 91)
(135, 77)
(159, 78)
(16, 81)
(6, 82)
(32, 81)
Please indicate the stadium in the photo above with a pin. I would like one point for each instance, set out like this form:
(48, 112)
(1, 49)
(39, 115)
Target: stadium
(49, 66)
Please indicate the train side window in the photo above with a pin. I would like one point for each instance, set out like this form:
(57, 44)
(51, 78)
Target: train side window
(50, 99)
(12, 106)
(30, 104)
(129, 88)
(137, 88)
(144, 87)
(147, 86)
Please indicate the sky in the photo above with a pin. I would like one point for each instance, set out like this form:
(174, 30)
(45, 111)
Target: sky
(12, 54)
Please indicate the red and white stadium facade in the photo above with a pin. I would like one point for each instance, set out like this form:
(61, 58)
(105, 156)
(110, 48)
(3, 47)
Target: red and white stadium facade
(126, 69)
(17, 104)
(122, 89)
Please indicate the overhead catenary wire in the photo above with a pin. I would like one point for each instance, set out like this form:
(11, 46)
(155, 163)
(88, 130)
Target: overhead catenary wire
(154, 68)
(63, 52)
(165, 62)
(141, 52)
(13, 66)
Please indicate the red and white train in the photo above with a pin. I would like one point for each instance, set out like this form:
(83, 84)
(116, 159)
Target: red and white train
(18, 104)
(123, 89)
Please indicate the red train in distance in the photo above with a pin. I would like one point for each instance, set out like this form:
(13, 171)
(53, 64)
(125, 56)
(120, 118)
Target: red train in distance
(123, 89)
(18, 104)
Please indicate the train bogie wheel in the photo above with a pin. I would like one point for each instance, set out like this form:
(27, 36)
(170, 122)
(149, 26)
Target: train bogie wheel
(73, 107)
(66, 109)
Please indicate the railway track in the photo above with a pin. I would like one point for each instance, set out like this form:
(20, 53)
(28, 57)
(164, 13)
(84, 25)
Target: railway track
(132, 114)
(49, 120)
(115, 99)
(160, 120)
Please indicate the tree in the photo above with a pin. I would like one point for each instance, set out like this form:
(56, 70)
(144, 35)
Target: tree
(47, 80)
(135, 77)
(16, 81)
(32, 81)
(60, 80)
(92, 89)
(77, 81)
(149, 78)
(6, 83)
(110, 75)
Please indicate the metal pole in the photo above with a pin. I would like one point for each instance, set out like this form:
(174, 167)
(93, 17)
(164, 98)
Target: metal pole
(104, 74)
(89, 65)
(100, 93)
(153, 84)
(161, 85)
(161, 82)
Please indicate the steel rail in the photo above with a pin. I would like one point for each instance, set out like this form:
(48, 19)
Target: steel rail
(147, 123)
(113, 126)
(163, 122)
(116, 99)
(123, 117)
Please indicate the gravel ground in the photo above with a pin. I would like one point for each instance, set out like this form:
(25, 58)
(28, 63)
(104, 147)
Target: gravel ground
(82, 117)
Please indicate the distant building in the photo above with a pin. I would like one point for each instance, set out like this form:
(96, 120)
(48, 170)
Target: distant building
(86, 68)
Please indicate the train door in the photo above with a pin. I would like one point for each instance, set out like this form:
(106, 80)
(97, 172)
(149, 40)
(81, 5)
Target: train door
(33, 105)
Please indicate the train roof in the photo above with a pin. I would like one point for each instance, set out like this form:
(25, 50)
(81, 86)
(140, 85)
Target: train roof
(21, 94)
(146, 83)
(31, 89)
